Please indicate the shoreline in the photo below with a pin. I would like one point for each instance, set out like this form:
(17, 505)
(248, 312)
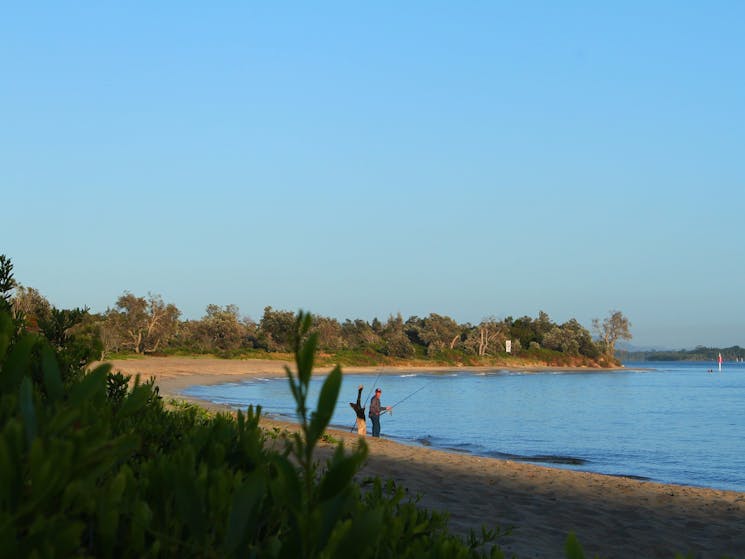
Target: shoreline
(613, 516)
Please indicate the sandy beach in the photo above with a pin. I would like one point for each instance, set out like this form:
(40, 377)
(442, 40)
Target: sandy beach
(613, 517)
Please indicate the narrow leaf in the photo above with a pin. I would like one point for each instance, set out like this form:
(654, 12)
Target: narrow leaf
(28, 412)
(245, 501)
(92, 385)
(572, 548)
(326, 403)
(52, 376)
(365, 527)
(136, 400)
(305, 357)
(286, 486)
(338, 475)
(18, 363)
(6, 333)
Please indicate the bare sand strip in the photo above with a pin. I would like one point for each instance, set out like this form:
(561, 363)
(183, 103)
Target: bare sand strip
(614, 517)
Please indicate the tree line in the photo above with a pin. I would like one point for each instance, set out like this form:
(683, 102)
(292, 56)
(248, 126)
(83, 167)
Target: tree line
(699, 353)
(149, 325)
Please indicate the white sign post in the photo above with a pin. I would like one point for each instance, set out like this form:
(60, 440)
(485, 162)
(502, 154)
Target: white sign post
(508, 346)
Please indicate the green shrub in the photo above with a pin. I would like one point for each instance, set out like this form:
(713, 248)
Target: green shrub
(96, 468)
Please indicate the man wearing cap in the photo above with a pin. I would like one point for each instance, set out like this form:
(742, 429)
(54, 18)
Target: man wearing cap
(374, 414)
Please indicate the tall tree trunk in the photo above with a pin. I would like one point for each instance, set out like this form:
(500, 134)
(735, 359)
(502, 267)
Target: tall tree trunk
(483, 341)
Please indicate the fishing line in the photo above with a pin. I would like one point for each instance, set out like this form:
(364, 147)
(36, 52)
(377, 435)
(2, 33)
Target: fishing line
(373, 386)
(410, 395)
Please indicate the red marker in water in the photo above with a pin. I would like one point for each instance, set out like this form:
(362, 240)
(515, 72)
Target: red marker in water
(720, 362)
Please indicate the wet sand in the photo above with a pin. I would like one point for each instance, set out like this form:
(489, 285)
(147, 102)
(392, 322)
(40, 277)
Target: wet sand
(613, 517)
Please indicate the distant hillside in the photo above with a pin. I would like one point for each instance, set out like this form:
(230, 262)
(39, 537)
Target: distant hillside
(633, 348)
(700, 353)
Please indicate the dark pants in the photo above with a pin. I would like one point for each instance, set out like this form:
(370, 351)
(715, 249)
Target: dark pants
(375, 425)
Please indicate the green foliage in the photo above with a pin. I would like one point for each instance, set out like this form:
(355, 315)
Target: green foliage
(7, 282)
(358, 357)
(570, 338)
(139, 324)
(276, 330)
(526, 330)
(360, 334)
(98, 467)
(572, 548)
(612, 328)
(396, 342)
(57, 446)
(76, 339)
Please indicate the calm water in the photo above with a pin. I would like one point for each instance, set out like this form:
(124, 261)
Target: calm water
(674, 423)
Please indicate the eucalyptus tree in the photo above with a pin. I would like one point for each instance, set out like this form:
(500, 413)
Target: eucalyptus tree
(542, 325)
(30, 307)
(220, 328)
(413, 328)
(613, 328)
(487, 337)
(562, 340)
(143, 324)
(396, 342)
(111, 334)
(583, 338)
(276, 329)
(329, 332)
(359, 334)
(440, 332)
(570, 338)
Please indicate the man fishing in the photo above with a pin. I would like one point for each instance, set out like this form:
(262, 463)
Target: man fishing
(360, 411)
(375, 408)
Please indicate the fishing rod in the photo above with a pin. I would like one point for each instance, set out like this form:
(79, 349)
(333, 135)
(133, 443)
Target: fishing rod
(409, 396)
(390, 411)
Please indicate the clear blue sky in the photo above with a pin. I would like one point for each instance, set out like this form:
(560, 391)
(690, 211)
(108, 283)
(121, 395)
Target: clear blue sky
(358, 159)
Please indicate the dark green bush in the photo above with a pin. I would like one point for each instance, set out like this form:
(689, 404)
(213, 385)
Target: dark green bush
(96, 468)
